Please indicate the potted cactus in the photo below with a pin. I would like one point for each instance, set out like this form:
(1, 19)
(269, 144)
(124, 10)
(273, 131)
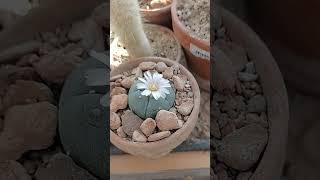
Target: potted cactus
(154, 106)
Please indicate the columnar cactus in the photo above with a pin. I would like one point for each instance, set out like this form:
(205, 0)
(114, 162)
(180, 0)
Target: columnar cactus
(127, 24)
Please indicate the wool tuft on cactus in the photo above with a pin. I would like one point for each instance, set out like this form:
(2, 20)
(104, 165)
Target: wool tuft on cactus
(149, 95)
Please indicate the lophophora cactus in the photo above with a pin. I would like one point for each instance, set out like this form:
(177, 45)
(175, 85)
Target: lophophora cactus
(148, 106)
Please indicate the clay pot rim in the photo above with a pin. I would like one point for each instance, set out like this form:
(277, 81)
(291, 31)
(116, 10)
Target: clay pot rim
(187, 124)
(273, 157)
(176, 19)
(162, 9)
(160, 28)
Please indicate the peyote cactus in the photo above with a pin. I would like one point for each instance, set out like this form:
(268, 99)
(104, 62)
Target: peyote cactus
(150, 95)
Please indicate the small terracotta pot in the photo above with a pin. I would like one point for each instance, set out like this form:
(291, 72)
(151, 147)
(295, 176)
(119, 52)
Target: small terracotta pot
(179, 56)
(272, 160)
(161, 16)
(158, 148)
(197, 50)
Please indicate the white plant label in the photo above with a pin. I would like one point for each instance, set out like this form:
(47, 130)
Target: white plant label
(196, 51)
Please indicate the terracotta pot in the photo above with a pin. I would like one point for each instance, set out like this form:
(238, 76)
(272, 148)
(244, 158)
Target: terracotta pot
(163, 29)
(161, 16)
(272, 160)
(158, 148)
(295, 40)
(197, 50)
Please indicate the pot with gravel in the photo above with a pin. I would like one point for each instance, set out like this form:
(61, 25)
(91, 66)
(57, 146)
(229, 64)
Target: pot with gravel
(156, 11)
(250, 105)
(162, 40)
(154, 106)
(191, 25)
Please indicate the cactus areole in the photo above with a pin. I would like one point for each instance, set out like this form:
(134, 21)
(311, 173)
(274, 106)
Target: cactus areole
(149, 95)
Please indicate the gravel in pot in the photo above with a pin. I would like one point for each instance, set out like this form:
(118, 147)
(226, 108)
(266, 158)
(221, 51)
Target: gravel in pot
(250, 106)
(162, 40)
(147, 124)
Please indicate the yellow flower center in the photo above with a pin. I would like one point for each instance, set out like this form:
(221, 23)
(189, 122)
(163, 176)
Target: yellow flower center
(153, 87)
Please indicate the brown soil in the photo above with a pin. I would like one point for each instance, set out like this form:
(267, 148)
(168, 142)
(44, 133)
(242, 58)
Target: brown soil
(153, 4)
(195, 15)
(163, 45)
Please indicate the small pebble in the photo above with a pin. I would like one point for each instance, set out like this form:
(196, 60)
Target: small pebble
(127, 82)
(161, 67)
(250, 68)
(130, 122)
(168, 73)
(257, 104)
(176, 69)
(145, 66)
(121, 133)
(190, 94)
(115, 121)
(246, 77)
(148, 126)
(158, 136)
(139, 137)
(118, 102)
(167, 120)
(118, 90)
(180, 122)
(178, 83)
(185, 107)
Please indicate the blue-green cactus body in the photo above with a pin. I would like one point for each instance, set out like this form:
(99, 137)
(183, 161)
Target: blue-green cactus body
(146, 106)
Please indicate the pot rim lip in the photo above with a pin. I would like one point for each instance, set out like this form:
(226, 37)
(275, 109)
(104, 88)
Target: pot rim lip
(160, 27)
(183, 28)
(165, 8)
(177, 133)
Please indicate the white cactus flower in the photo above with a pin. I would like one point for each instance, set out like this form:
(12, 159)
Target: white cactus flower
(154, 84)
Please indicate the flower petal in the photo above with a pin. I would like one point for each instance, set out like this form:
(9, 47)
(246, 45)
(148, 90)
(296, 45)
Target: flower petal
(157, 76)
(164, 81)
(165, 90)
(142, 80)
(165, 85)
(141, 86)
(148, 76)
(156, 94)
(146, 93)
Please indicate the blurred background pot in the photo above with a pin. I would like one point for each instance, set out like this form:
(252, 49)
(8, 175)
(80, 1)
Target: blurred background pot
(161, 16)
(197, 50)
(271, 164)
